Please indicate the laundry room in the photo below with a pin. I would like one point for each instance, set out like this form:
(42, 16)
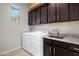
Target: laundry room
(39, 29)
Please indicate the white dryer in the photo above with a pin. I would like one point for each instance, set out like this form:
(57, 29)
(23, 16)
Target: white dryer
(33, 42)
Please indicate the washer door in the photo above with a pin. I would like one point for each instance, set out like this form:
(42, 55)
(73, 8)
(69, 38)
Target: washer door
(36, 45)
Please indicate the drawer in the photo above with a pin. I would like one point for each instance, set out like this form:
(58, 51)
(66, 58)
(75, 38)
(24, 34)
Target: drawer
(74, 47)
(60, 44)
(72, 53)
(48, 41)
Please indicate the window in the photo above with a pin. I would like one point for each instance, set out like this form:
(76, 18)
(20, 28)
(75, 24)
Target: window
(15, 13)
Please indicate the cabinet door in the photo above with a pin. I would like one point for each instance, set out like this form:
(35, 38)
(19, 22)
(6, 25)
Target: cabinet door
(29, 18)
(73, 53)
(47, 50)
(48, 47)
(44, 14)
(58, 51)
(51, 12)
(33, 17)
(74, 11)
(38, 16)
(62, 12)
(73, 50)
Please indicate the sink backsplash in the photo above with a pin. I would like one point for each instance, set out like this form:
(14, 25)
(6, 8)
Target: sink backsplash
(71, 35)
(68, 28)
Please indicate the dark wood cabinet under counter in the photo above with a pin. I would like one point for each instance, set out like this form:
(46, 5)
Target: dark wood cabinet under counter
(51, 48)
(48, 46)
(59, 51)
(58, 48)
(74, 50)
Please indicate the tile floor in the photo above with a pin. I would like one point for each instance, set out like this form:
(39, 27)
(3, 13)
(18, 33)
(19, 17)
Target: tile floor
(19, 52)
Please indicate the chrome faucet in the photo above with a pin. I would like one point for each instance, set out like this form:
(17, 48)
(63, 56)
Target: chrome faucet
(57, 31)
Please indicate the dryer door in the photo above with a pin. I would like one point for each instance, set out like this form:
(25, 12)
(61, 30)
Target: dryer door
(26, 42)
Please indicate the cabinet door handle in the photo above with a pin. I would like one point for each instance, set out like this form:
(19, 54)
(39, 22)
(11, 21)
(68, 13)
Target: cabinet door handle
(54, 51)
(76, 49)
(54, 17)
(41, 20)
(57, 17)
(50, 49)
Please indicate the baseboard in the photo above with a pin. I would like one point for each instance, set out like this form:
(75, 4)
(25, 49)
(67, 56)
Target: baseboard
(27, 51)
(10, 50)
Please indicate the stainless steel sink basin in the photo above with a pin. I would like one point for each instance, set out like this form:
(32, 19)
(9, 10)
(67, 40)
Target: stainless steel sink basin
(59, 37)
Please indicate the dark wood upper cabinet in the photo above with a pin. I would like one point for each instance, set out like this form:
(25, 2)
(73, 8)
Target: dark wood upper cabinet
(44, 9)
(33, 17)
(58, 12)
(51, 13)
(38, 16)
(29, 18)
(74, 11)
(54, 12)
(62, 12)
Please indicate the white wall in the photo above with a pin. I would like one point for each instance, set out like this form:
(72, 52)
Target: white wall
(10, 33)
(71, 27)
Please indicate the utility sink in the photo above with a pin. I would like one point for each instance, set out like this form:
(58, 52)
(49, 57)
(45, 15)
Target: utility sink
(59, 37)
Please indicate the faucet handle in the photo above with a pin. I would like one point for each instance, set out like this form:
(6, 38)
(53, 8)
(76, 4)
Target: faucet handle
(56, 32)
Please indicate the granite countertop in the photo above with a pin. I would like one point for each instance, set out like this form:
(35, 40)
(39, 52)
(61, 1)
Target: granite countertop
(67, 39)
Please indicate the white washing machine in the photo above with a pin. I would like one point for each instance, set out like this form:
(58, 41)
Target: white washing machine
(32, 42)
